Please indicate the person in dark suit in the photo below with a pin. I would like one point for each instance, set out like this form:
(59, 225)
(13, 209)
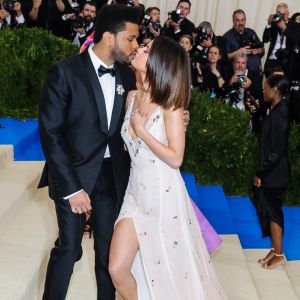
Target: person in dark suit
(273, 171)
(279, 45)
(183, 26)
(87, 168)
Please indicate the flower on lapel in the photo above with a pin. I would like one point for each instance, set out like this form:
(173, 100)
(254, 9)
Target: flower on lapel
(120, 89)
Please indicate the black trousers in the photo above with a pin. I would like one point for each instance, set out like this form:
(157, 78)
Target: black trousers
(67, 249)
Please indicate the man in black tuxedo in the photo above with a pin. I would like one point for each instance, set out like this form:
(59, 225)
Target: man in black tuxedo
(175, 29)
(80, 116)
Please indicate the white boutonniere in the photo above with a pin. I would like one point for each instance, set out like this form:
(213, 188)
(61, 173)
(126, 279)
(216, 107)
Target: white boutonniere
(120, 89)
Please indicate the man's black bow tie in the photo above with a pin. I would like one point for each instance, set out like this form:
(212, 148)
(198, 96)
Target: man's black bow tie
(102, 70)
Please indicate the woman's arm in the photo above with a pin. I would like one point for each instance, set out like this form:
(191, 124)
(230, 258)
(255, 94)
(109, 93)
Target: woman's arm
(171, 154)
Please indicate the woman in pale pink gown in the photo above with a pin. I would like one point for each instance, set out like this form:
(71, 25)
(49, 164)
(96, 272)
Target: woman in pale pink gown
(157, 250)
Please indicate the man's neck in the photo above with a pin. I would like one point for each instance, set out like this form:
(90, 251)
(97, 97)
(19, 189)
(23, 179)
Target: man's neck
(103, 54)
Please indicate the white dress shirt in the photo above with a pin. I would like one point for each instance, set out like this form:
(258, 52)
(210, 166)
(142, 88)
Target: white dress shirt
(108, 84)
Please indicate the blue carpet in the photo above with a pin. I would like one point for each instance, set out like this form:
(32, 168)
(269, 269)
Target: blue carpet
(24, 136)
(228, 215)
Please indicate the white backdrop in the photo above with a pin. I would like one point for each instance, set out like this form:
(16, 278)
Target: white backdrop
(219, 12)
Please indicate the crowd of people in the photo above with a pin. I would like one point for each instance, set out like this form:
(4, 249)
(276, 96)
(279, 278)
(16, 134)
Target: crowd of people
(228, 66)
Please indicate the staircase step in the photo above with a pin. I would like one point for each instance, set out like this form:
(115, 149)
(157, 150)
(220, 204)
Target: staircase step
(6, 155)
(18, 184)
(213, 204)
(231, 267)
(292, 269)
(271, 284)
(24, 248)
(246, 222)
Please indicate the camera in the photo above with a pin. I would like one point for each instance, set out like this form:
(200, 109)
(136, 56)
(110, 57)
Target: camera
(251, 41)
(8, 5)
(147, 21)
(174, 15)
(201, 35)
(79, 21)
(75, 7)
(277, 17)
(233, 95)
(241, 79)
(282, 56)
(296, 49)
(129, 3)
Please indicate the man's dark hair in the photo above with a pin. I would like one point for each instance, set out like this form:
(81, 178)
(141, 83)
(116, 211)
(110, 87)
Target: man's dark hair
(149, 9)
(113, 19)
(186, 1)
(91, 3)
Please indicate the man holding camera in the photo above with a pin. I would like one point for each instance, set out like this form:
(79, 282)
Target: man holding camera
(80, 22)
(245, 90)
(177, 23)
(244, 80)
(204, 38)
(151, 23)
(279, 45)
(83, 24)
(11, 14)
(245, 40)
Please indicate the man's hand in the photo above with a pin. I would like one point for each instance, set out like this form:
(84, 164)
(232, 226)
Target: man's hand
(247, 83)
(81, 30)
(245, 50)
(154, 32)
(207, 43)
(281, 25)
(270, 19)
(257, 181)
(36, 3)
(80, 203)
(176, 26)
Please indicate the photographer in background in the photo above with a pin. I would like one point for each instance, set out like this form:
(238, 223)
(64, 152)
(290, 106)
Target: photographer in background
(11, 14)
(4, 17)
(245, 90)
(245, 40)
(177, 23)
(150, 27)
(83, 24)
(292, 33)
(205, 37)
(78, 21)
(279, 45)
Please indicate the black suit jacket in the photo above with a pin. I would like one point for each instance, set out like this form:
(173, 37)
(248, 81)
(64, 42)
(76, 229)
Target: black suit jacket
(73, 127)
(270, 35)
(273, 166)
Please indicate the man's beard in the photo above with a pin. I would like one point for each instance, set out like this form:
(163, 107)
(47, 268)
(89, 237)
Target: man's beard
(118, 55)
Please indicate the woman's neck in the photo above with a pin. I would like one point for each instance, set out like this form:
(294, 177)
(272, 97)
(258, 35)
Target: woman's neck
(275, 101)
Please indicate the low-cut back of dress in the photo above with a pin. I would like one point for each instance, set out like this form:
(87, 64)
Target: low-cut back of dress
(172, 262)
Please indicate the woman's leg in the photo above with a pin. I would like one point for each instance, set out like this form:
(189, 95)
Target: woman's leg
(124, 247)
(276, 235)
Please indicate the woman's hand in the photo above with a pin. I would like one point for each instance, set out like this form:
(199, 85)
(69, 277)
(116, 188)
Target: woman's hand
(257, 181)
(137, 121)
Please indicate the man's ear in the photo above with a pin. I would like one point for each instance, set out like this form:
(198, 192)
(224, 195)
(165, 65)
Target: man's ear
(108, 38)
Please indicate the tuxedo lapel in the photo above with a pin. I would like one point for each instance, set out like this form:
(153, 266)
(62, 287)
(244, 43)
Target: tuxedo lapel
(118, 103)
(96, 87)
